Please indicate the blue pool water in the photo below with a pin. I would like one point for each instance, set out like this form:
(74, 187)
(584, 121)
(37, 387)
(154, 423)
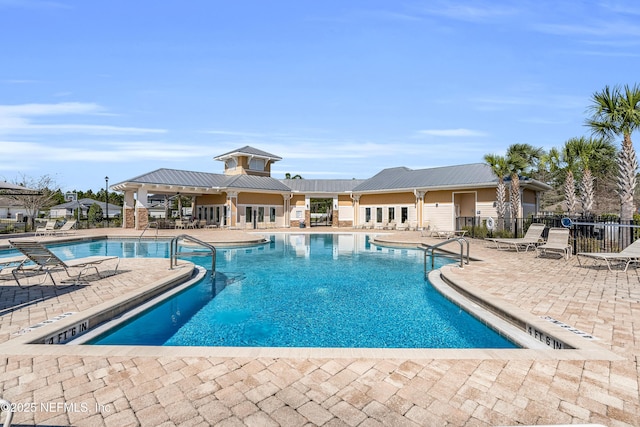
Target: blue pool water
(301, 290)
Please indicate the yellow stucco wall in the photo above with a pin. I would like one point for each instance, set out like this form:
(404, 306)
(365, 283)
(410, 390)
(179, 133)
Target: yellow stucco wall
(387, 199)
(297, 200)
(211, 199)
(345, 200)
(260, 199)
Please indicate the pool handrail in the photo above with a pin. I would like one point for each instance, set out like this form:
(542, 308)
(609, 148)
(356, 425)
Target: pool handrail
(461, 240)
(174, 253)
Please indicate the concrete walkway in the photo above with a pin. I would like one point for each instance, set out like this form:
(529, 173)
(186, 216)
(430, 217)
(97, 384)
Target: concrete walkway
(63, 385)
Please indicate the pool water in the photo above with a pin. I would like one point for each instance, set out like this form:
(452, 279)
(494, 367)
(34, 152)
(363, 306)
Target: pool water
(301, 290)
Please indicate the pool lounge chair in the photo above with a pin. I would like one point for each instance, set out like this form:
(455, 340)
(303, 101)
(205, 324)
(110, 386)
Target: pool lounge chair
(630, 254)
(47, 230)
(43, 261)
(67, 228)
(557, 241)
(531, 239)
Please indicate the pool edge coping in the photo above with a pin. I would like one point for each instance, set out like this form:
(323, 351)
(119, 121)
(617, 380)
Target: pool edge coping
(583, 349)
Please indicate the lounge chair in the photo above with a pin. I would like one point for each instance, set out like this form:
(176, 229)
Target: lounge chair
(531, 239)
(42, 260)
(403, 226)
(625, 257)
(557, 241)
(48, 229)
(67, 228)
(9, 263)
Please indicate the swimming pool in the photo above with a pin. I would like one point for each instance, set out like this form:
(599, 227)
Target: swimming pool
(301, 290)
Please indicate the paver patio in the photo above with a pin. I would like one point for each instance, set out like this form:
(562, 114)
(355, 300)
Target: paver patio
(72, 385)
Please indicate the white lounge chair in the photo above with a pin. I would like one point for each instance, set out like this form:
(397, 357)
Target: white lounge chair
(45, 261)
(557, 241)
(47, 230)
(67, 228)
(628, 255)
(531, 239)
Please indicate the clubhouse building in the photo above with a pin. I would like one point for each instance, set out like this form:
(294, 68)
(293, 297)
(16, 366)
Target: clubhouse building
(245, 196)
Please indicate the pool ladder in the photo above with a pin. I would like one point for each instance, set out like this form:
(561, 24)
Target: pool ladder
(175, 253)
(148, 226)
(464, 243)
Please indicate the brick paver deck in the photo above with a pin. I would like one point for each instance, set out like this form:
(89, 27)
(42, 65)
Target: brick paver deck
(72, 385)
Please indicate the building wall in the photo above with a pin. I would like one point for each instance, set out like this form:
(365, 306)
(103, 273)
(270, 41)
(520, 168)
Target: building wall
(260, 199)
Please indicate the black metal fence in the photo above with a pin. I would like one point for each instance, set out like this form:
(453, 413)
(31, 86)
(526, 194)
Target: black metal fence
(588, 234)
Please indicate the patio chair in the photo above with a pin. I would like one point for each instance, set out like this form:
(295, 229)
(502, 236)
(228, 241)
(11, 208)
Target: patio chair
(179, 224)
(40, 260)
(48, 229)
(557, 241)
(531, 239)
(67, 228)
(628, 255)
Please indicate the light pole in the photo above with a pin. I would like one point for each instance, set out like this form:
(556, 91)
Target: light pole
(106, 192)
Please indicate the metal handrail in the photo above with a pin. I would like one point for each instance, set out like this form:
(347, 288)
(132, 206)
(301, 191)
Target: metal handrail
(147, 227)
(174, 253)
(461, 240)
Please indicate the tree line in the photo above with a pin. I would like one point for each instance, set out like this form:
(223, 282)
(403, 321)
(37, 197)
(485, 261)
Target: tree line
(588, 173)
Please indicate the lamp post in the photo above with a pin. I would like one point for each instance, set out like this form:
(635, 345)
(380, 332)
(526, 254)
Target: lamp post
(106, 192)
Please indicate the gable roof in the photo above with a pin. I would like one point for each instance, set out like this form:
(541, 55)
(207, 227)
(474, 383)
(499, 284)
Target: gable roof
(248, 151)
(205, 181)
(473, 175)
(458, 176)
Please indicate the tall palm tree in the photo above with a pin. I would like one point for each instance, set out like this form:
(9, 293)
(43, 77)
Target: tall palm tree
(525, 158)
(521, 159)
(616, 112)
(500, 169)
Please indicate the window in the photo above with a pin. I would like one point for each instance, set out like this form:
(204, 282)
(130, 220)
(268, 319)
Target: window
(272, 214)
(230, 164)
(256, 165)
(404, 214)
(378, 214)
(247, 214)
(367, 214)
(261, 214)
(392, 214)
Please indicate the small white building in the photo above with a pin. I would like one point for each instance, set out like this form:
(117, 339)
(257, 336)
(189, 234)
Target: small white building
(68, 209)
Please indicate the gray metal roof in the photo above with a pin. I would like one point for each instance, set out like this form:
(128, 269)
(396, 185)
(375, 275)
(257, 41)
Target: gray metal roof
(392, 179)
(248, 151)
(322, 185)
(446, 176)
(208, 180)
(179, 177)
(252, 182)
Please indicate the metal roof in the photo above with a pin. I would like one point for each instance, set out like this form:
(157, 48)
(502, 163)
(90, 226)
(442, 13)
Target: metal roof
(446, 176)
(248, 151)
(252, 182)
(322, 185)
(206, 180)
(178, 177)
(387, 180)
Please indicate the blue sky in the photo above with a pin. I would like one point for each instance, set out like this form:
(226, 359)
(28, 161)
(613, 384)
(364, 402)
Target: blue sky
(338, 89)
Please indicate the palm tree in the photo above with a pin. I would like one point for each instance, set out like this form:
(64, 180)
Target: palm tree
(614, 112)
(521, 159)
(500, 169)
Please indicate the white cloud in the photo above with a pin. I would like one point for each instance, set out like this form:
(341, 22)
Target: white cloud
(122, 151)
(49, 109)
(19, 119)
